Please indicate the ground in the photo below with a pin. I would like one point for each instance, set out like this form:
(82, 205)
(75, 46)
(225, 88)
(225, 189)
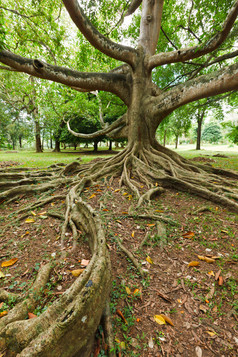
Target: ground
(198, 302)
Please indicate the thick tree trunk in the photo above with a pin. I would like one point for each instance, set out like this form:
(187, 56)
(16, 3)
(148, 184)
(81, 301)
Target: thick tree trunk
(37, 136)
(57, 146)
(110, 145)
(95, 146)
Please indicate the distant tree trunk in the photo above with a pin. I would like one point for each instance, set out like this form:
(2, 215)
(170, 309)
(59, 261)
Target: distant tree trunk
(37, 136)
(165, 133)
(110, 145)
(75, 146)
(176, 141)
(57, 145)
(20, 141)
(95, 146)
(199, 130)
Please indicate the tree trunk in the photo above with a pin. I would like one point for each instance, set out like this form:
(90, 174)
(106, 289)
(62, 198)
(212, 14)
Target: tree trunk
(165, 132)
(110, 145)
(176, 141)
(20, 141)
(95, 146)
(199, 130)
(57, 146)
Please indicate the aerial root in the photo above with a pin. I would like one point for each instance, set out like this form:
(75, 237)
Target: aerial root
(131, 257)
(149, 194)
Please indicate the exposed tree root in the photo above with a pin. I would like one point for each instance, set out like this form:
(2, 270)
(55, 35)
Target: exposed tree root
(78, 311)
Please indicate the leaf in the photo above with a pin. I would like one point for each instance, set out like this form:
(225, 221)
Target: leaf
(124, 212)
(120, 314)
(211, 333)
(93, 195)
(198, 351)
(43, 217)
(220, 280)
(211, 273)
(151, 224)
(2, 275)
(210, 294)
(1, 304)
(129, 197)
(133, 234)
(77, 272)
(29, 220)
(209, 260)
(125, 194)
(149, 260)
(217, 274)
(123, 345)
(9, 263)
(188, 234)
(167, 319)
(136, 292)
(105, 210)
(128, 291)
(151, 342)
(159, 210)
(3, 313)
(33, 213)
(84, 262)
(31, 315)
(117, 190)
(193, 264)
(201, 257)
(160, 320)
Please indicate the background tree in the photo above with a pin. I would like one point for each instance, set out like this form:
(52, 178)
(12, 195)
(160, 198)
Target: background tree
(198, 36)
(212, 133)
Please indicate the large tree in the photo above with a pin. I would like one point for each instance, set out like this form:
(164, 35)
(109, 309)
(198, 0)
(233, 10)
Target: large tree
(67, 327)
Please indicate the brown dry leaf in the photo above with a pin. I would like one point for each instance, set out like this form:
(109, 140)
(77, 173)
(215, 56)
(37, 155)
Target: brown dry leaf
(210, 294)
(120, 314)
(3, 313)
(124, 212)
(203, 308)
(193, 264)
(188, 234)
(159, 319)
(31, 315)
(136, 292)
(84, 262)
(9, 263)
(217, 274)
(167, 319)
(159, 210)
(215, 257)
(105, 210)
(29, 220)
(220, 280)
(77, 272)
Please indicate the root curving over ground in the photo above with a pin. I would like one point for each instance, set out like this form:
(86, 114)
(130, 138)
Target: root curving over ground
(68, 326)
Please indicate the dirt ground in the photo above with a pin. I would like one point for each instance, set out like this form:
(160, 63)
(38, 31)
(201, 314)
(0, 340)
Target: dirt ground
(189, 268)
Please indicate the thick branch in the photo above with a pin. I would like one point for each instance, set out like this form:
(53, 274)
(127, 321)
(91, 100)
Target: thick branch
(133, 7)
(185, 54)
(119, 123)
(150, 24)
(218, 82)
(109, 82)
(97, 40)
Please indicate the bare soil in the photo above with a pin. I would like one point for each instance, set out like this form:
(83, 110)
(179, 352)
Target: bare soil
(200, 301)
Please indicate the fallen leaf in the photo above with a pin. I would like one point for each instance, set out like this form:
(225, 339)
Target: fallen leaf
(188, 234)
(211, 273)
(136, 292)
(210, 294)
(198, 351)
(117, 190)
(203, 308)
(149, 260)
(29, 220)
(31, 315)
(220, 280)
(3, 313)
(2, 275)
(9, 263)
(33, 213)
(167, 319)
(93, 195)
(105, 210)
(201, 257)
(125, 194)
(84, 262)
(120, 314)
(151, 224)
(193, 264)
(129, 197)
(211, 333)
(43, 217)
(151, 342)
(223, 231)
(128, 291)
(123, 345)
(1, 304)
(209, 260)
(159, 210)
(217, 274)
(133, 234)
(160, 320)
(124, 212)
(77, 272)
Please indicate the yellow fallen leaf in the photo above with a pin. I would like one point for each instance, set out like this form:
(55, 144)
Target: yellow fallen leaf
(167, 319)
(93, 195)
(151, 224)
(105, 210)
(211, 333)
(159, 210)
(10, 262)
(201, 257)
(123, 345)
(223, 231)
(29, 220)
(1, 275)
(125, 193)
(128, 291)
(129, 197)
(117, 190)
(77, 272)
(209, 260)
(149, 260)
(188, 235)
(3, 313)
(42, 213)
(133, 234)
(211, 273)
(193, 264)
(33, 213)
(160, 320)
(124, 212)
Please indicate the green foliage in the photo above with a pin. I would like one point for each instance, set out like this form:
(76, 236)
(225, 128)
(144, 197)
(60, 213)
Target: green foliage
(212, 133)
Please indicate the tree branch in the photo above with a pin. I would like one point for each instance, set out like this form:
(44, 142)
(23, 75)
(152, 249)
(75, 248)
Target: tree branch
(204, 86)
(200, 50)
(97, 40)
(109, 82)
(119, 123)
(133, 7)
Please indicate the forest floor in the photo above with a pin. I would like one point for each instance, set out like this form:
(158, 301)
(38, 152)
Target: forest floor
(190, 269)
